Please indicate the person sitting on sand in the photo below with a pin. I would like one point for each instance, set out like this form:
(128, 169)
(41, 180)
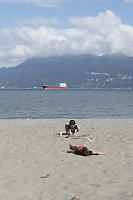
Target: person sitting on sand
(83, 151)
(71, 128)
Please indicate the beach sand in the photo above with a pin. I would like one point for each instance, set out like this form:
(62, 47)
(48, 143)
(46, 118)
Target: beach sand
(33, 165)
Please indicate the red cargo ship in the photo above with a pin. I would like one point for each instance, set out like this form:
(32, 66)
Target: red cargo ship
(61, 86)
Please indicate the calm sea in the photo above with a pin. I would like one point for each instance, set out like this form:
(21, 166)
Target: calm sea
(15, 103)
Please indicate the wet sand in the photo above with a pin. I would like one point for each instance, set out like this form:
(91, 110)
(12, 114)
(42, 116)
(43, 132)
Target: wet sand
(33, 165)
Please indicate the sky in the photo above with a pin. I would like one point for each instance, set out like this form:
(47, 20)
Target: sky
(36, 28)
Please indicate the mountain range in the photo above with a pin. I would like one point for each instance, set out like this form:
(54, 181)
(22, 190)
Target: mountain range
(81, 71)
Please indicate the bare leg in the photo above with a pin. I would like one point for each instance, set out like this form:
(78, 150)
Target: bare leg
(99, 153)
(76, 130)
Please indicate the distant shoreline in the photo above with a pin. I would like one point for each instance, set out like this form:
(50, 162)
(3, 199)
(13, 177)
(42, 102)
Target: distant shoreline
(68, 89)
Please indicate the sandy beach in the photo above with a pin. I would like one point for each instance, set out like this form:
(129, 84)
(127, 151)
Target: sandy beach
(33, 165)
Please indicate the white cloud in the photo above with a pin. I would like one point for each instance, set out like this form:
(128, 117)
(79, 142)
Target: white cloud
(42, 3)
(103, 34)
(108, 19)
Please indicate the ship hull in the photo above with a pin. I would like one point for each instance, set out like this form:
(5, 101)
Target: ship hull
(46, 87)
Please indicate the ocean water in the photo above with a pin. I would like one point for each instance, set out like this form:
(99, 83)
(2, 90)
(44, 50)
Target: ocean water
(37, 103)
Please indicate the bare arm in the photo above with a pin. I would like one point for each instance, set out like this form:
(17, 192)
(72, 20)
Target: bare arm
(76, 130)
(69, 151)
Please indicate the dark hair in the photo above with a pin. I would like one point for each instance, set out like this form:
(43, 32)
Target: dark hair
(72, 122)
